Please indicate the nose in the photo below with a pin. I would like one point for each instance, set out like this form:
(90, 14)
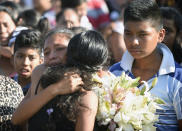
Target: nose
(135, 41)
(26, 61)
(52, 55)
(2, 29)
(69, 25)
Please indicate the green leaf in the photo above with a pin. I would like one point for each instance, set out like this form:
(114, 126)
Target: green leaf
(143, 90)
(154, 82)
(159, 101)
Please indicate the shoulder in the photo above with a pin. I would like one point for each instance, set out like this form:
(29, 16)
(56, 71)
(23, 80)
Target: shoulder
(36, 75)
(8, 82)
(89, 100)
(38, 70)
(10, 90)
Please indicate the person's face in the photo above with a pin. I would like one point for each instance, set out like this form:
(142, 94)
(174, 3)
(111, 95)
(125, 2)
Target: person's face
(70, 19)
(82, 9)
(25, 60)
(170, 35)
(141, 38)
(7, 26)
(55, 48)
(43, 4)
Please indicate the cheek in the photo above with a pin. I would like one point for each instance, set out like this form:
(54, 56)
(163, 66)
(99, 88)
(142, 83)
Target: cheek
(17, 64)
(36, 63)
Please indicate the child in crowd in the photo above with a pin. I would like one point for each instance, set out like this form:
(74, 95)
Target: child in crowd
(27, 55)
(172, 21)
(147, 58)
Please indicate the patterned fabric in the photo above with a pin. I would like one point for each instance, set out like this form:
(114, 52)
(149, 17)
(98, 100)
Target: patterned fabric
(10, 97)
(168, 87)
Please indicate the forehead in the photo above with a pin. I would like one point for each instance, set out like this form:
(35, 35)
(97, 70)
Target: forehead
(139, 26)
(82, 5)
(27, 51)
(56, 40)
(5, 17)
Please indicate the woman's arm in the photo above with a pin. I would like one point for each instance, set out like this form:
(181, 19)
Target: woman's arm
(87, 112)
(33, 103)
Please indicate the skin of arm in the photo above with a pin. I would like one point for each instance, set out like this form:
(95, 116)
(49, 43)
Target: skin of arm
(33, 103)
(180, 125)
(87, 113)
(6, 51)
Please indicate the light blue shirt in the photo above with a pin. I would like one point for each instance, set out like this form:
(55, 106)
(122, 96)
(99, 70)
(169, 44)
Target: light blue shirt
(168, 87)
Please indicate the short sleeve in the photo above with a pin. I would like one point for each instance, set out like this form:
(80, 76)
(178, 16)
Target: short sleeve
(177, 102)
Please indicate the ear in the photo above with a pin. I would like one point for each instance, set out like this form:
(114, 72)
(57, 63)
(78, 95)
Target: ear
(20, 21)
(161, 35)
(41, 60)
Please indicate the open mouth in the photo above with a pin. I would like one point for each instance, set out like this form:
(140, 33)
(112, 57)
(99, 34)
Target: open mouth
(24, 71)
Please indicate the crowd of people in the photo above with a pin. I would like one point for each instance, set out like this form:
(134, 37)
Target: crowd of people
(50, 48)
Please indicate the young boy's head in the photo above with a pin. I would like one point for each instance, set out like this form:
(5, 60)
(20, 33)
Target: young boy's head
(79, 5)
(143, 27)
(27, 52)
(144, 10)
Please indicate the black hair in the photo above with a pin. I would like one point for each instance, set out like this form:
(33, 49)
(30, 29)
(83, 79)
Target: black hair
(65, 106)
(142, 10)
(32, 19)
(71, 3)
(8, 11)
(173, 14)
(87, 51)
(13, 7)
(28, 39)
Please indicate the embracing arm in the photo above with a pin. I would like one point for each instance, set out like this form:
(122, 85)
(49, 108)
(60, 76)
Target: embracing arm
(33, 103)
(87, 112)
(180, 125)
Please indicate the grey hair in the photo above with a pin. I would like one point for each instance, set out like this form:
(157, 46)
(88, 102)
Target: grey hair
(67, 32)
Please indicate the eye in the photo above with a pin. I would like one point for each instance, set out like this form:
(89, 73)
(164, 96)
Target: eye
(32, 57)
(5, 24)
(142, 34)
(127, 33)
(19, 56)
(46, 53)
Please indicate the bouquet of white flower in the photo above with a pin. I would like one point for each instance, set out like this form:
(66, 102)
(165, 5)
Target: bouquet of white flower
(122, 106)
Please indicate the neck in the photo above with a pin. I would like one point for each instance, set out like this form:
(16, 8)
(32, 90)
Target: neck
(23, 81)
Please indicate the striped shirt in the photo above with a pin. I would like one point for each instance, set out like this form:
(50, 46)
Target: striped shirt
(168, 87)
